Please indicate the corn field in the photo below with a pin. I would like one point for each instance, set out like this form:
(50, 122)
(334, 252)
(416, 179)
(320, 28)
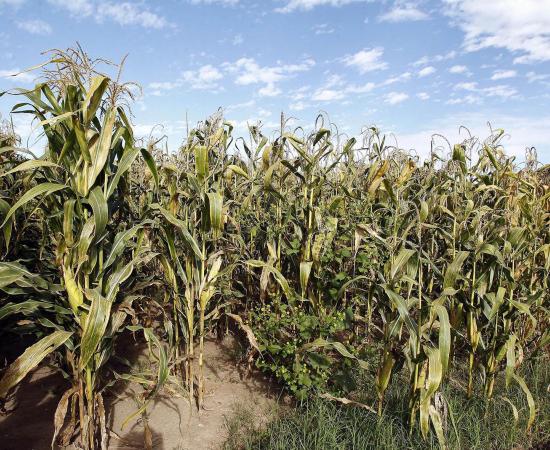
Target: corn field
(326, 255)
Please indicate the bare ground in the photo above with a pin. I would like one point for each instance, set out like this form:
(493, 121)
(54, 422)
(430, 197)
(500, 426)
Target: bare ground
(174, 424)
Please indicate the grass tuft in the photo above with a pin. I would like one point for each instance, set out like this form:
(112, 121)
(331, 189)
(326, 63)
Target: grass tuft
(478, 423)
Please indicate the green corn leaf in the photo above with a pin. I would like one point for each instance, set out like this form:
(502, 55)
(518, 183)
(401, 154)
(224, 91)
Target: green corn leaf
(93, 98)
(438, 427)
(68, 217)
(423, 211)
(84, 240)
(183, 229)
(510, 358)
(435, 373)
(40, 189)
(214, 270)
(11, 272)
(338, 346)
(399, 303)
(201, 162)
(530, 400)
(31, 164)
(124, 164)
(400, 261)
(305, 271)
(119, 244)
(348, 283)
(275, 272)
(215, 202)
(30, 358)
(100, 151)
(7, 228)
(453, 269)
(80, 136)
(117, 278)
(514, 409)
(14, 272)
(95, 326)
(237, 171)
(162, 371)
(101, 210)
(149, 160)
(384, 373)
(444, 335)
(26, 307)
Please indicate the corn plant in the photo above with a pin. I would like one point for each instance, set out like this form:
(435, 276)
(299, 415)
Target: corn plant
(191, 221)
(77, 192)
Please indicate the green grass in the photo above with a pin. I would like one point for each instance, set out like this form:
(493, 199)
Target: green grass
(478, 424)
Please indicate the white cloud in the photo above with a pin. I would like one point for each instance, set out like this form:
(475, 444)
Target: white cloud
(423, 95)
(16, 76)
(247, 71)
(467, 99)
(393, 98)
(522, 27)
(405, 76)
(300, 93)
(502, 91)
(77, 8)
(205, 77)
(335, 88)
(158, 130)
(361, 89)
(532, 77)
(242, 105)
(334, 80)
(437, 58)
(298, 106)
(328, 95)
(269, 90)
(238, 39)
(323, 28)
(123, 13)
(126, 13)
(458, 69)
(366, 60)
(35, 26)
(503, 74)
(12, 3)
(164, 85)
(214, 2)
(403, 12)
(308, 5)
(470, 86)
(426, 71)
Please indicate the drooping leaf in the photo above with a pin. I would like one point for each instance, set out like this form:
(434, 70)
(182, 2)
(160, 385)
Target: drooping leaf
(35, 191)
(30, 358)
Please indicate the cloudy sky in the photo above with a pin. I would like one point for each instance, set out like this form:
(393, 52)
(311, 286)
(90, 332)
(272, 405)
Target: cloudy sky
(412, 68)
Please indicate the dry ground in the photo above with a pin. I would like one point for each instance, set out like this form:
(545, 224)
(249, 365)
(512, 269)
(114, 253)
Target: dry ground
(173, 423)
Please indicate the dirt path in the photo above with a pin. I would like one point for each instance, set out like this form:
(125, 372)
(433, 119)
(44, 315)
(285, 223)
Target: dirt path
(173, 423)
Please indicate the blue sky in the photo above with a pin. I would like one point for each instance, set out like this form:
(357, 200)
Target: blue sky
(412, 68)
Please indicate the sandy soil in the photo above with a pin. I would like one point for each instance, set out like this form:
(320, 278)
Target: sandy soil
(173, 423)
